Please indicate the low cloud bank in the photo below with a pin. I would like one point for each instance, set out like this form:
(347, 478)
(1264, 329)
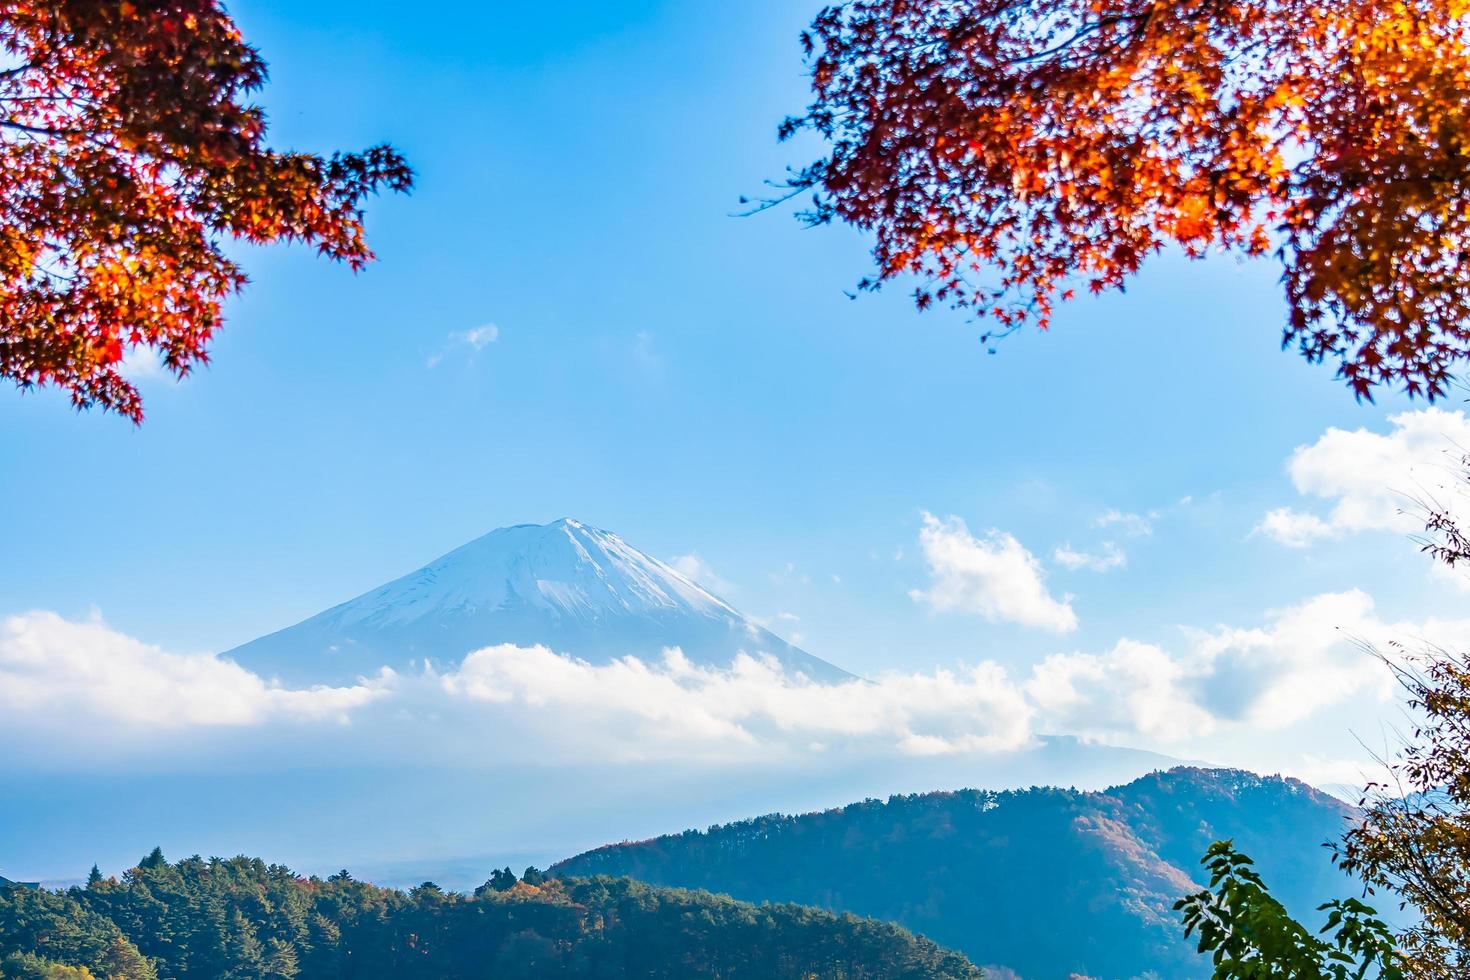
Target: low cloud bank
(672, 701)
(532, 703)
(65, 672)
(1306, 659)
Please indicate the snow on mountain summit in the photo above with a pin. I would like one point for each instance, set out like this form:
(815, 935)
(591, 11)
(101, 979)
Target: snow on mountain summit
(565, 568)
(567, 585)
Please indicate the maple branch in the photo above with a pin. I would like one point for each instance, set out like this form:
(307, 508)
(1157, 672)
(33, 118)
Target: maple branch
(39, 130)
(1082, 32)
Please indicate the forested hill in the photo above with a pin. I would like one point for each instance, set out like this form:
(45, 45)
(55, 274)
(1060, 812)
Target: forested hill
(242, 920)
(1047, 882)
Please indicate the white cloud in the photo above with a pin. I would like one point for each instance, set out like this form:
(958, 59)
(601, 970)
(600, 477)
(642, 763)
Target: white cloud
(1223, 683)
(1457, 575)
(1134, 525)
(1305, 659)
(476, 339)
(71, 673)
(1134, 689)
(1370, 479)
(994, 577)
(87, 677)
(641, 709)
(1105, 560)
(1294, 528)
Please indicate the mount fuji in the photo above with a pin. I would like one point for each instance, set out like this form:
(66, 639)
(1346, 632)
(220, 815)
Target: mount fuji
(566, 585)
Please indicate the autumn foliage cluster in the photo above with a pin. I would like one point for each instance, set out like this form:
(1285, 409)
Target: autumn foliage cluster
(1414, 840)
(128, 153)
(1009, 151)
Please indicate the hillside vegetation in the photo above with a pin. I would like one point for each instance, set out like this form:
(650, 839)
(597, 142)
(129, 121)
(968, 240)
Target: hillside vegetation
(1047, 882)
(240, 918)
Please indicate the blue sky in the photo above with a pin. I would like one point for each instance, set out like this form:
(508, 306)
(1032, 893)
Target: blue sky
(697, 382)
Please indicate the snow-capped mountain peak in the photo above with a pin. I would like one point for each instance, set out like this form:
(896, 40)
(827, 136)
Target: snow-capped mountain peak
(565, 568)
(567, 585)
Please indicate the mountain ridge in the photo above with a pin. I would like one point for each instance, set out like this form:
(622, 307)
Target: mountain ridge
(1047, 882)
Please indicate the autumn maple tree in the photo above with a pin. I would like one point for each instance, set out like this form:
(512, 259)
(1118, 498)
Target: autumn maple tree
(129, 154)
(1007, 152)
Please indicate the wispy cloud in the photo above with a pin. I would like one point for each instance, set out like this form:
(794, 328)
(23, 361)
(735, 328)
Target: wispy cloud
(1134, 525)
(699, 571)
(1106, 559)
(472, 341)
(789, 575)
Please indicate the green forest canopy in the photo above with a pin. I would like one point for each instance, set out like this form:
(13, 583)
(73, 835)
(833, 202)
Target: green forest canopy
(241, 918)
